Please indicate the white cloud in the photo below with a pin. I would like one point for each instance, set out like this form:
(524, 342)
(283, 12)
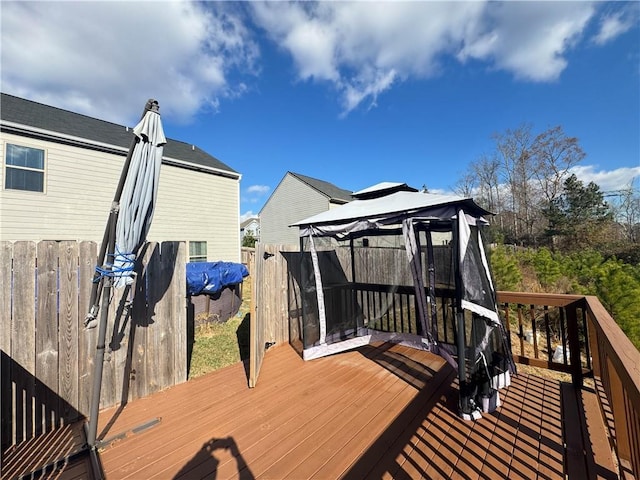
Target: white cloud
(106, 59)
(258, 189)
(607, 180)
(247, 215)
(253, 195)
(615, 24)
(529, 39)
(364, 48)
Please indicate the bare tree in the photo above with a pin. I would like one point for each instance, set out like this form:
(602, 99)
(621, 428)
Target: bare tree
(485, 173)
(521, 178)
(466, 185)
(628, 212)
(554, 154)
(514, 154)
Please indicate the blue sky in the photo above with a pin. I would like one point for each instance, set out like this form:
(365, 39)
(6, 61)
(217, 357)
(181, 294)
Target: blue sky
(351, 93)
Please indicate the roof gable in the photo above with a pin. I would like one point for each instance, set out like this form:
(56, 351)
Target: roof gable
(36, 115)
(249, 221)
(327, 189)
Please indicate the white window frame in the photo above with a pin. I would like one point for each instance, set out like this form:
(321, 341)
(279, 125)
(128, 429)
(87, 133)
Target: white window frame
(200, 257)
(6, 166)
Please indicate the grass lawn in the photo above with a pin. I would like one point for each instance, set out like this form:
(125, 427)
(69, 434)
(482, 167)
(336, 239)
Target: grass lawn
(220, 344)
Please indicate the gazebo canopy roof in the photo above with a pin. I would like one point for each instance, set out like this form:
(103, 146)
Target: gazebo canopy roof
(398, 204)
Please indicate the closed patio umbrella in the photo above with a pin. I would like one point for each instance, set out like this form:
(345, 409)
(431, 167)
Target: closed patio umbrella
(138, 195)
(126, 230)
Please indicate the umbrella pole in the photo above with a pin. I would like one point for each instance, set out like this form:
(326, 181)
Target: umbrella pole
(96, 288)
(103, 283)
(107, 282)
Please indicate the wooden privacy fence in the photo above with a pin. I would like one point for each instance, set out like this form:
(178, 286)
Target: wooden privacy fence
(48, 355)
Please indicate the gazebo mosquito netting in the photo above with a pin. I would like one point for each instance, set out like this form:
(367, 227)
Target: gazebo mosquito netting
(408, 267)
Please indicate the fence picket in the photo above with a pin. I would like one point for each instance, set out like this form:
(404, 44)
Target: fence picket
(6, 270)
(179, 314)
(138, 329)
(68, 330)
(86, 337)
(23, 331)
(47, 403)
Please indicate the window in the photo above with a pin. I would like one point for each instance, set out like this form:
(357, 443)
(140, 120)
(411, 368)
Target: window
(197, 251)
(24, 168)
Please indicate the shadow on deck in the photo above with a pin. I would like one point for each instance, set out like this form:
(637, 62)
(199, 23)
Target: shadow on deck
(375, 412)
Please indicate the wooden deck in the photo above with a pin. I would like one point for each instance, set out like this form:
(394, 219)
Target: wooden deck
(383, 412)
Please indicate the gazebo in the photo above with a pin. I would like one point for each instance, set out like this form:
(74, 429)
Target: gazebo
(399, 265)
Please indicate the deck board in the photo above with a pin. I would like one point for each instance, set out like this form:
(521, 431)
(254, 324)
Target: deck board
(375, 412)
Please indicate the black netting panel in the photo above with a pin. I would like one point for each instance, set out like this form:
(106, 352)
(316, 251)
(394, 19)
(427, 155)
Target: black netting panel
(475, 282)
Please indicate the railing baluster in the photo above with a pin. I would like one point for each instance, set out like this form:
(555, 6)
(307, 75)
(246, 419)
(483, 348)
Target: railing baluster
(445, 319)
(532, 313)
(506, 321)
(563, 336)
(376, 300)
(585, 331)
(548, 332)
(520, 329)
(574, 344)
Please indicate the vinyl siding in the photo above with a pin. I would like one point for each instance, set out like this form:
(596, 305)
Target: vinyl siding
(291, 201)
(79, 188)
(204, 205)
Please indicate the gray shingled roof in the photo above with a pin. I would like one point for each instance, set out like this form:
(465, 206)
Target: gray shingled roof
(326, 188)
(33, 114)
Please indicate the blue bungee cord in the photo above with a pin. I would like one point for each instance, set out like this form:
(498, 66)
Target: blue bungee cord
(127, 265)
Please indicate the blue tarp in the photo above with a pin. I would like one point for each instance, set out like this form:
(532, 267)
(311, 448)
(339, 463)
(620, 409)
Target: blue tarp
(211, 277)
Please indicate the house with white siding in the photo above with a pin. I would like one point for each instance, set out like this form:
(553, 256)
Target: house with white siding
(295, 198)
(59, 172)
(251, 227)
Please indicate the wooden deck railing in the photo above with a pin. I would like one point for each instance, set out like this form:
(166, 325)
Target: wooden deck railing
(548, 331)
(616, 364)
(541, 323)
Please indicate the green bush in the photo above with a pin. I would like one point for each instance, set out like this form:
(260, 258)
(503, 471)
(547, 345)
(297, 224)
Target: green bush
(614, 282)
(547, 268)
(505, 269)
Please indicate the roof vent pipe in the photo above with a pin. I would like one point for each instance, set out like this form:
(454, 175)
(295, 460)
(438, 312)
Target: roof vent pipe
(193, 147)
